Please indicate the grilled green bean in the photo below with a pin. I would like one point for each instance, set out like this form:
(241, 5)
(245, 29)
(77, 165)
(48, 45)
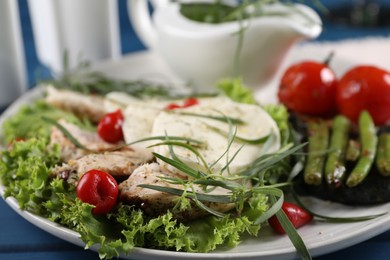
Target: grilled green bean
(335, 163)
(353, 150)
(369, 141)
(318, 133)
(383, 154)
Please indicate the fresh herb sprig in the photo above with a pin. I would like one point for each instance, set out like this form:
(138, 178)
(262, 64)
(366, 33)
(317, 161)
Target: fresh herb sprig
(86, 80)
(238, 190)
(218, 12)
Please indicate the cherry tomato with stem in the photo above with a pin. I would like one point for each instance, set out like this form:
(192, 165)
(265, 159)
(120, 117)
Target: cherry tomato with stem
(297, 215)
(365, 87)
(309, 88)
(110, 127)
(98, 188)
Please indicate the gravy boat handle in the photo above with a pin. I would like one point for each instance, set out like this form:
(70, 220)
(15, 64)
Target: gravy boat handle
(142, 20)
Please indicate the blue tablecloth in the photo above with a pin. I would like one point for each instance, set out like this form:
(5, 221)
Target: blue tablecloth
(21, 240)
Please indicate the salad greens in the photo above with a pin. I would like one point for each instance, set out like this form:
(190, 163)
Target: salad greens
(236, 90)
(25, 171)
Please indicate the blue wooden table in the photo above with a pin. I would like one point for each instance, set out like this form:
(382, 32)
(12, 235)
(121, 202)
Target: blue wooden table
(21, 240)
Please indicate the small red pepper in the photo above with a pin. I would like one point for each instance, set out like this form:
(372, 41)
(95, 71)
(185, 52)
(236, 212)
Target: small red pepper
(297, 215)
(190, 102)
(186, 103)
(172, 106)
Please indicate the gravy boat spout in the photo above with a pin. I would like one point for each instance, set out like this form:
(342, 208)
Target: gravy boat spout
(203, 53)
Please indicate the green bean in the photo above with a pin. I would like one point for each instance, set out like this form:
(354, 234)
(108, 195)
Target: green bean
(318, 133)
(383, 154)
(335, 163)
(353, 150)
(369, 141)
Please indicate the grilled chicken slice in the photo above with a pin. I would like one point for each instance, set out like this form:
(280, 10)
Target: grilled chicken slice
(119, 164)
(84, 106)
(88, 139)
(156, 202)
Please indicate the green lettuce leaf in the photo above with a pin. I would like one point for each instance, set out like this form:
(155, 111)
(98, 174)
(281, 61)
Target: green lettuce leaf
(25, 171)
(235, 89)
(280, 114)
(28, 122)
(209, 233)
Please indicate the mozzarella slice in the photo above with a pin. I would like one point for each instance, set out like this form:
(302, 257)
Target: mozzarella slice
(257, 124)
(138, 116)
(138, 123)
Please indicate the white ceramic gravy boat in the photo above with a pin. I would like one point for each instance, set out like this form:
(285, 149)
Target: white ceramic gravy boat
(203, 53)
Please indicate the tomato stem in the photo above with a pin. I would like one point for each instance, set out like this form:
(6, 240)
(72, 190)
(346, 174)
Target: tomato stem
(329, 58)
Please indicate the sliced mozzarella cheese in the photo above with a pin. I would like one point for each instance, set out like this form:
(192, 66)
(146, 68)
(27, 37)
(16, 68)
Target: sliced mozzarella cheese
(257, 124)
(138, 123)
(138, 115)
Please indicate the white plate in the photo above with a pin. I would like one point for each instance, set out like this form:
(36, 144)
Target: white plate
(319, 237)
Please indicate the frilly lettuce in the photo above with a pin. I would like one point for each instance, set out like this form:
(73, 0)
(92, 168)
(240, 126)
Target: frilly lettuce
(25, 171)
(235, 89)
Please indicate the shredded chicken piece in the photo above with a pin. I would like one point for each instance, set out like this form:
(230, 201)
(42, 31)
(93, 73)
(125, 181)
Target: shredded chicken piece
(84, 106)
(156, 202)
(88, 139)
(119, 164)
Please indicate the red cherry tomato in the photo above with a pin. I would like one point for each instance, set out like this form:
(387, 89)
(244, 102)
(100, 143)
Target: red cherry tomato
(110, 127)
(365, 88)
(295, 214)
(309, 88)
(98, 188)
